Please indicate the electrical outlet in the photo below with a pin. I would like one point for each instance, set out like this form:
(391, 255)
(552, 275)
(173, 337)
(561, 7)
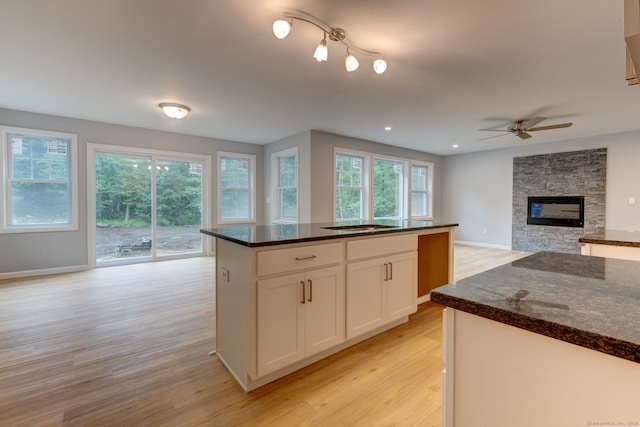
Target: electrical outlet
(632, 200)
(225, 275)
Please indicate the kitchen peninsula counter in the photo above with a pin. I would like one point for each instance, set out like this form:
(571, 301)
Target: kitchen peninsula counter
(620, 244)
(552, 331)
(288, 295)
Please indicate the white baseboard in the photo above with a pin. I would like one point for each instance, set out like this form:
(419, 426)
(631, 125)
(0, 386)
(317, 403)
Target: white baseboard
(483, 245)
(43, 272)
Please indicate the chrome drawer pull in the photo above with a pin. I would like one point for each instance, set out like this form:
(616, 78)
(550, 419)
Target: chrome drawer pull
(302, 258)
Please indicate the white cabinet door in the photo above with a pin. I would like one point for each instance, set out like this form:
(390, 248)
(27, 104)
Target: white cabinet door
(280, 317)
(380, 291)
(299, 315)
(324, 309)
(401, 287)
(365, 302)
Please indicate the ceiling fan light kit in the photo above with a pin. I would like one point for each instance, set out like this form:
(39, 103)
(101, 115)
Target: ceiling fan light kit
(282, 28)
(521, 128)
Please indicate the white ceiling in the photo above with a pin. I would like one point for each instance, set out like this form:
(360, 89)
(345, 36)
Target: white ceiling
(454, 67)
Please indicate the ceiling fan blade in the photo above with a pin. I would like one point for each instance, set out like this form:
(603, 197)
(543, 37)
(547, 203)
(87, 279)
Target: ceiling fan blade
(529, 123)
(558, 126)
(494, 136)
(495, 130)
(523, 135)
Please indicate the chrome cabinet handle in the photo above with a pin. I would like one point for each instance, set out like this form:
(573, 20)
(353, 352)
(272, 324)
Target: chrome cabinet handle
(303, 293)
(386, 271)
(390, 271)
(310, 291)
(302, 258)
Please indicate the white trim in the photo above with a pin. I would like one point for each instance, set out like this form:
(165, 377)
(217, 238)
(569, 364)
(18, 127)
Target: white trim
(482, 245)
(43, 272)
(74, 223)
(252, 189)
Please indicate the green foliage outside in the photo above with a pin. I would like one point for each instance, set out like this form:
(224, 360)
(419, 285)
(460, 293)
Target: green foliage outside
(387, 188)
(123, 192)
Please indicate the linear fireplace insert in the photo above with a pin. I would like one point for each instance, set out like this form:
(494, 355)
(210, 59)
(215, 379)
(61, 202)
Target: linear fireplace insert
(557, 211)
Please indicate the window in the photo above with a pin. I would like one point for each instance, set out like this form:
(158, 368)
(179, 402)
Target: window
(421, 190)
(39, 181)
(236, 180)
(351, 185)
(389, 189)
(285, 185)
(394, 188)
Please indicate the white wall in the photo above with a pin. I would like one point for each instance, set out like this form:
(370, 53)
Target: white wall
(478, 186)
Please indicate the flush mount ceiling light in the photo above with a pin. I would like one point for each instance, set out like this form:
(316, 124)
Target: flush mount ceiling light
(173, 110)
(282, 27)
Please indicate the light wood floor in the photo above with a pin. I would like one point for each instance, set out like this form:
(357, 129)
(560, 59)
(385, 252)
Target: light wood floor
(129, 345)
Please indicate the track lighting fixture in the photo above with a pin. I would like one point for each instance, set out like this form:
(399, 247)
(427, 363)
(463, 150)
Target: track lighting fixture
(282, 27)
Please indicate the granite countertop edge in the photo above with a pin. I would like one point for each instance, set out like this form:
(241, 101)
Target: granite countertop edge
(326, 235)
(603, 241)
(594, 341)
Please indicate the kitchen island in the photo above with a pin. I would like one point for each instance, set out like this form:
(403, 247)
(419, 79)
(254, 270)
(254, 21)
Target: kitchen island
(619, 244)
(550, 339)
(288, 295)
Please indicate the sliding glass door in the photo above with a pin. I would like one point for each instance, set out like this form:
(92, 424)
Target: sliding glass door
(147, 207)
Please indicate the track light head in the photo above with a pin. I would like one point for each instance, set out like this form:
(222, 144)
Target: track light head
(281, 28)
(351, 62)
(322, 53)
(379, 66)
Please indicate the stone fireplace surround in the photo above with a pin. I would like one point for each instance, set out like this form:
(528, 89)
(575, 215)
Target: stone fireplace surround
(575, 173)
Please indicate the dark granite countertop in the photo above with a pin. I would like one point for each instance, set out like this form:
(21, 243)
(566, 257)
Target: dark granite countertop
(279, 234)
(613, 238)
(589, 301)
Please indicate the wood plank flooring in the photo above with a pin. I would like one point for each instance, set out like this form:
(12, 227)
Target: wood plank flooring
(128, 346)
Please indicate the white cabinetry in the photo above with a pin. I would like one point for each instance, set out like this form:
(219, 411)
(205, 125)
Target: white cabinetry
(380, 289)
(299, 315)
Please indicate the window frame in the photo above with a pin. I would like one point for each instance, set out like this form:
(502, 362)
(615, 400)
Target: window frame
(276, 202)
(6, 216)
(365, 209)
(428, 191)
(251, 158)
(404, 204)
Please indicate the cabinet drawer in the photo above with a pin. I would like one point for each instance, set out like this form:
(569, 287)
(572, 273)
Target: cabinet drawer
(379, 246)
(298, 258)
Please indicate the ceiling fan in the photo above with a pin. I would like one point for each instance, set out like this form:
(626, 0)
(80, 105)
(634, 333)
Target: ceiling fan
(521, 128)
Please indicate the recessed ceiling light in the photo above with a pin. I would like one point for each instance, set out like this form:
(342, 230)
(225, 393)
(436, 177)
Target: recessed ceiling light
(455, 146)
(387, 128)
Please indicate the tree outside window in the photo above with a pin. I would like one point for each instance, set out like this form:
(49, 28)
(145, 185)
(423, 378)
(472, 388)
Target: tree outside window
(350, 186)
(388, 189)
